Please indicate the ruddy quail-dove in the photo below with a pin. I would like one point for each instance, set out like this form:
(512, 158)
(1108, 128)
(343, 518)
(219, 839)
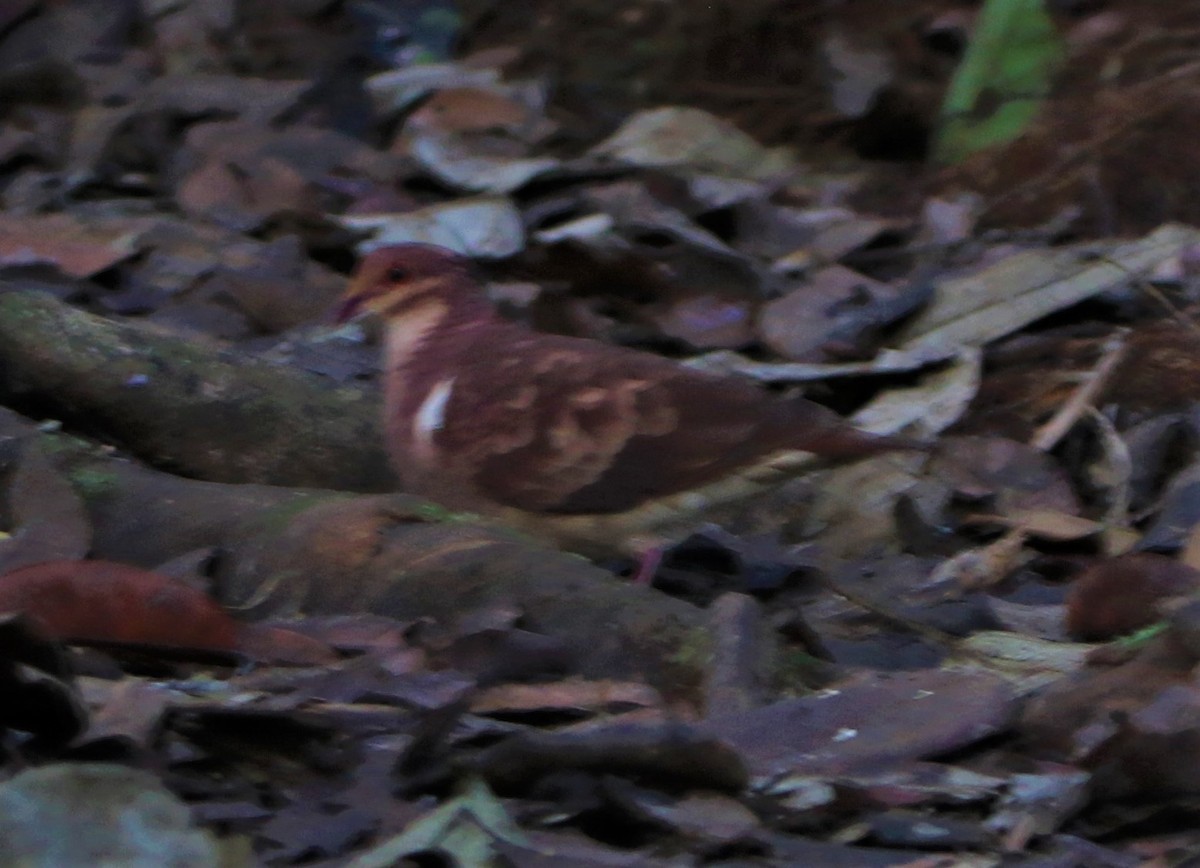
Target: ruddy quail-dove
(600, 448)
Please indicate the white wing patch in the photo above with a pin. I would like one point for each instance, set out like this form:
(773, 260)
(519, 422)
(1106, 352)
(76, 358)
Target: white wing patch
(431, 416)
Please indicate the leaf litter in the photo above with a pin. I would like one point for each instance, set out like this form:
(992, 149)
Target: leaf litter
(878, 664)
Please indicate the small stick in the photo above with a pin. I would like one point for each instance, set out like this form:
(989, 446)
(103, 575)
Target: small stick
(1046, 437)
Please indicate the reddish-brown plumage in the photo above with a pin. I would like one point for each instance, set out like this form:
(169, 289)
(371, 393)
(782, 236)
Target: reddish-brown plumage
(487, 415)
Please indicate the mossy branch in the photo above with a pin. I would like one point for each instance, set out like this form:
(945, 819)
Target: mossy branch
(187, 407)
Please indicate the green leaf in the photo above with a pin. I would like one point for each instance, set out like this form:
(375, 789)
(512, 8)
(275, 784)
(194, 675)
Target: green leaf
(1002, 81)
(1141, 637)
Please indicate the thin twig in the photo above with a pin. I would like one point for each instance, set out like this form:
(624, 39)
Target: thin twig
(932, 634)
(1047, 436)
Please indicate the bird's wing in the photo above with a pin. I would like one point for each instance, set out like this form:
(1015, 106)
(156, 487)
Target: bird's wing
(568, 426)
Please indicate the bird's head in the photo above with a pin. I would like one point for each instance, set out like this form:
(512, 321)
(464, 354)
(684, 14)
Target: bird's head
(394, 279)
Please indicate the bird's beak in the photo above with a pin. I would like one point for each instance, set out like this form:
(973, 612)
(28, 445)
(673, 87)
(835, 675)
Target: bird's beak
(348, 308)
(353, 300)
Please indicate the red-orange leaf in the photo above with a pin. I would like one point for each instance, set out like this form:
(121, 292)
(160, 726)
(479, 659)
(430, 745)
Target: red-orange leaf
(98, 601)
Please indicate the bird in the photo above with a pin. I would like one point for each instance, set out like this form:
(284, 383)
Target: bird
(599, 448)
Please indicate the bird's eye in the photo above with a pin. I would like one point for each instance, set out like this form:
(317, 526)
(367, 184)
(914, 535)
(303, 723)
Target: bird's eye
(396, 274)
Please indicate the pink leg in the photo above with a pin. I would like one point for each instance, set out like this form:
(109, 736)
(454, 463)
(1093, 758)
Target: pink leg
(647, 567)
